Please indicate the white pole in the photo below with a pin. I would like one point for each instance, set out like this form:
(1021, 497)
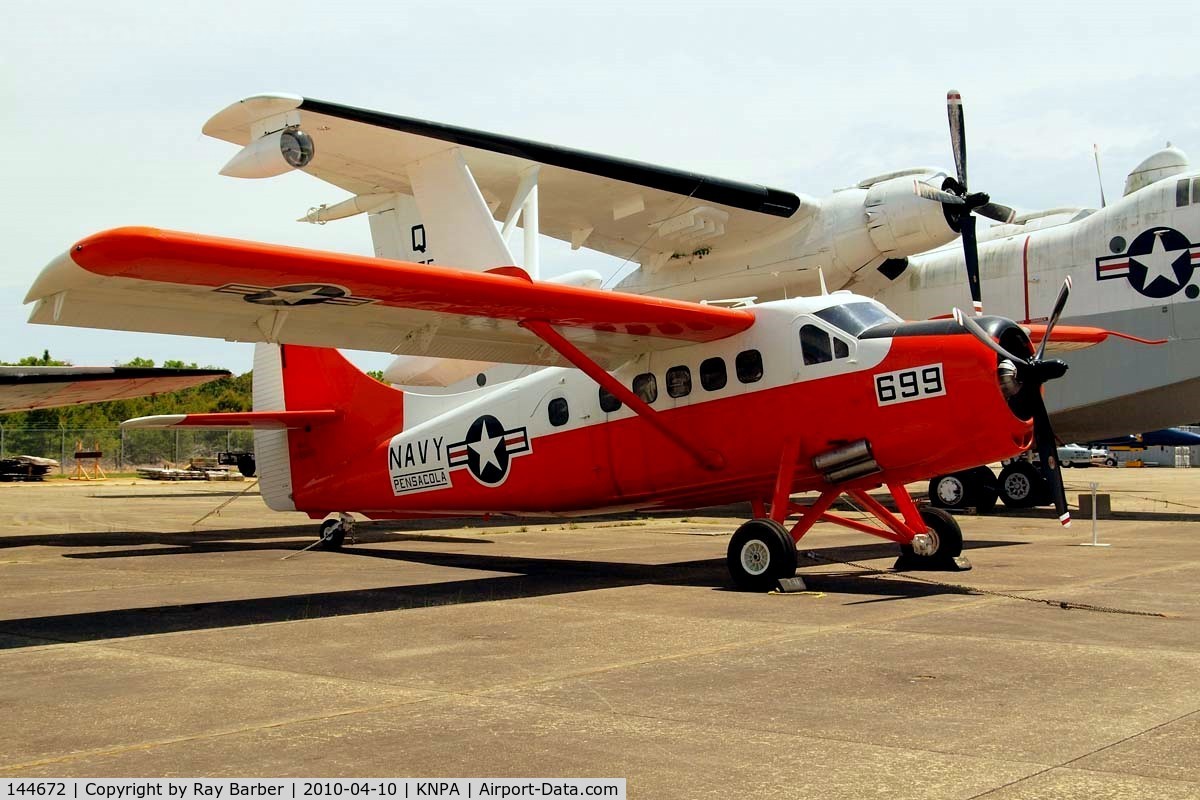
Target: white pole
(1095, 542)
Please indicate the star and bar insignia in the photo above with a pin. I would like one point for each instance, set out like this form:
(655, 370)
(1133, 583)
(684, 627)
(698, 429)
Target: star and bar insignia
(488, 450)
(300, 294)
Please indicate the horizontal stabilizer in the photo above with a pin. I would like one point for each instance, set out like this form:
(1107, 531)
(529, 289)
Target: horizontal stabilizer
(257, 420)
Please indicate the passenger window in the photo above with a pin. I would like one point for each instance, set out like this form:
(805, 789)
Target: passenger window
(1181, 192)
(814, 344)
(679, 381)
(558, 411)
(1196, 190)
(749, 366)
(608, 403)
(840, 348)
(712, 373)
(645, 386)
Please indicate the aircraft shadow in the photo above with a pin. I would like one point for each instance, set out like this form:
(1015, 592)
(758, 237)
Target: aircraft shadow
(528, 577)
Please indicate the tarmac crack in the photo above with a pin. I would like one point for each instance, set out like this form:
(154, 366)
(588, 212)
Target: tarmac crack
(217, 734)
(1101, 749)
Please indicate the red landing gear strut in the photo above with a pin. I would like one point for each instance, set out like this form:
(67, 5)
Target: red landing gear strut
(763, 550)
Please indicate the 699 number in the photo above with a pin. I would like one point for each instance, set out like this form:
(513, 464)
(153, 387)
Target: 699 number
(909, 384)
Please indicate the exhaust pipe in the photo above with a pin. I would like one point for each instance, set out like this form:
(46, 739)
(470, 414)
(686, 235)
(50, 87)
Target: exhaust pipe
(850, 461)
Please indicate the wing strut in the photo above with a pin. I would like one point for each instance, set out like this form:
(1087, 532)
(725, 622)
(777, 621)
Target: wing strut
(709, 460)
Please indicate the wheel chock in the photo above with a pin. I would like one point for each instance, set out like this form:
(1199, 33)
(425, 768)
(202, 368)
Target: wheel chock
(791, 585)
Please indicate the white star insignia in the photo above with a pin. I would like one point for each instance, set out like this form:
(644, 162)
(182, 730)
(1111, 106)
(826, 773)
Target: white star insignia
(486, 448)
(1159, 262)
(292, 298)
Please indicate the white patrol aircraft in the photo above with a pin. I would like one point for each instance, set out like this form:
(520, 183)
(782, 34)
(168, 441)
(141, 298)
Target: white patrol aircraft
(433, 194)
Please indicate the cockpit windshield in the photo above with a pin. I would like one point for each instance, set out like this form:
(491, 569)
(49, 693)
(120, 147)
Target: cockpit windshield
(854, 318)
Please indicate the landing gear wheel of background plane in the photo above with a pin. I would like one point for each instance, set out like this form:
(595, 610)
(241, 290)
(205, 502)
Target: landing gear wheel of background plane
(1022, 485)
(972, 488)
(333, 533)
(944, 544)
(760, 553)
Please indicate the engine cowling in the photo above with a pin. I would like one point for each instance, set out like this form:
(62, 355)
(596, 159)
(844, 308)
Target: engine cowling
(903, 223)
(271, 155)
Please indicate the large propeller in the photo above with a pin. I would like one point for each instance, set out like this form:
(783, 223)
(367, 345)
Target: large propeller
(1025, 378)
(961, 212)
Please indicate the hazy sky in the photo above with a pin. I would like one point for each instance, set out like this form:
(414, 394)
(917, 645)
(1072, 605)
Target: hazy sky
(103, 103)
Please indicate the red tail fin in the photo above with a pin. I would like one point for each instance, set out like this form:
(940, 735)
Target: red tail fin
(299, 466)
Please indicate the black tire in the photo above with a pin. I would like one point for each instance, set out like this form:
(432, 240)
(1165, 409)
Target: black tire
(1111, 461)
(951, 491)
(947, 539)
(987, 489)
(1022, 485)
(1066, 464)
(760, 553)
(333, 533)
(246, 465)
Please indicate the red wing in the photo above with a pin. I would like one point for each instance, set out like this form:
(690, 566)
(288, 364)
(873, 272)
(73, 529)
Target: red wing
(167, 282)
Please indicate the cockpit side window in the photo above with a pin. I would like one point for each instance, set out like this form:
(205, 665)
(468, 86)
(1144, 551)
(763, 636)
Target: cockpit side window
(840, 348)
(814, 345)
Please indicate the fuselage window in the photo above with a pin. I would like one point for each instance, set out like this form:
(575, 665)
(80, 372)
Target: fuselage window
(1196, 190)
(749, 366)
(712, 373)
(1181, 192)
(558, 411)
(608, 403)
(840, 348)
(814, 344)
(645, 386)
(679, 381)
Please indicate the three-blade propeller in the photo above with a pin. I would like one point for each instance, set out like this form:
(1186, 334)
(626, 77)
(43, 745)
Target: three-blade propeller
(1030, 374)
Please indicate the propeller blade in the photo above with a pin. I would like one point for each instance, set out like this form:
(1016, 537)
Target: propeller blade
(1043, 436)
(998, 212)
(933, 193)
(971, 252)
(958, 134)
(972, 327)
(1059, 304)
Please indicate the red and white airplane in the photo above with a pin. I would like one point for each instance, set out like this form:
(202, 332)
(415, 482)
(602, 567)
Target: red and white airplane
(645, 403)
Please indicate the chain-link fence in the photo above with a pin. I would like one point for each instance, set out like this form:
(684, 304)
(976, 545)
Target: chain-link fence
(121, 450)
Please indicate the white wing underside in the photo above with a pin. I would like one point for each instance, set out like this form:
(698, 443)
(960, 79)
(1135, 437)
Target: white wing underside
(626, 209)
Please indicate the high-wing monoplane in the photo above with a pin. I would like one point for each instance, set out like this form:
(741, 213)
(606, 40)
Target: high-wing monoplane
(642, 402)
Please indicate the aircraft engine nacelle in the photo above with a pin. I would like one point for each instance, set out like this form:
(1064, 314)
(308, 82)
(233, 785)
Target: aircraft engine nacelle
(902, 222)
(271, 155)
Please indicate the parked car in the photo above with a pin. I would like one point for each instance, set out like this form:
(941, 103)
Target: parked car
(1103, 458)
(1074, 455)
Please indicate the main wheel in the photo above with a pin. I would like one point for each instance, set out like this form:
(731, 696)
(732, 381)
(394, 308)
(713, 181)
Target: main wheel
(333, 533)
(944, 544)
(760, 553)
(1022, 486)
